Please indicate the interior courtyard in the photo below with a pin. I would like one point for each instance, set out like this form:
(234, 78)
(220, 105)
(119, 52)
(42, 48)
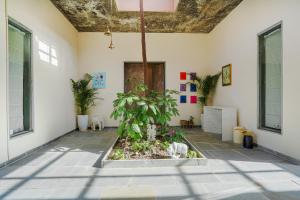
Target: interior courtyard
(149, 99)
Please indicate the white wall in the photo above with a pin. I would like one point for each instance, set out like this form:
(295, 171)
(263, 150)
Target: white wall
(181, 52)
(3, 120)
(234, 41)
(53, 99)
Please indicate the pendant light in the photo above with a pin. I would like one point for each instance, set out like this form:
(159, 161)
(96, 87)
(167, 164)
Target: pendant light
(108, 32)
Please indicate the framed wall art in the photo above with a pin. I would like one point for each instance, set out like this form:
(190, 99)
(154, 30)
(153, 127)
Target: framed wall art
(227, 75)
(99, 80)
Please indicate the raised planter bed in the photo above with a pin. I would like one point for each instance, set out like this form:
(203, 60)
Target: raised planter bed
(107, 163)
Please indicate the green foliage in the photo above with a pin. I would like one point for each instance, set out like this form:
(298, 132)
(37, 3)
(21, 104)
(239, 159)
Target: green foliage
(175, 135)
(85, 96)
(164, 145)
(168, 108)
(141, 146)
(192, 154)
(140, 107)
(118, 154)
(206, 85)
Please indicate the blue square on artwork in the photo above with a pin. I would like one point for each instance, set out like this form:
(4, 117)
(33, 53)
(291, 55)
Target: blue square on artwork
(193, 87)
(183, 99)
(99, 80)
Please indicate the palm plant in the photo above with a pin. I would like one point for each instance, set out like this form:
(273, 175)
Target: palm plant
(206, 85)
(85, 96)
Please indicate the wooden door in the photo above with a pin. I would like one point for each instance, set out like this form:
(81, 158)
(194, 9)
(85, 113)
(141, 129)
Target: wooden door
(134, 74)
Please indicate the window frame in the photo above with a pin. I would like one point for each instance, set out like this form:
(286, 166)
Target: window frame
(261, 78)
(28, 65)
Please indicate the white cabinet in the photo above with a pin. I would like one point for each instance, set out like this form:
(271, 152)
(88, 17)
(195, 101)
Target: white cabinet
(220, 120)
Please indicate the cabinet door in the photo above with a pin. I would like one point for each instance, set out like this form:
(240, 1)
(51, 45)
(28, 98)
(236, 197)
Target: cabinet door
(212, 120)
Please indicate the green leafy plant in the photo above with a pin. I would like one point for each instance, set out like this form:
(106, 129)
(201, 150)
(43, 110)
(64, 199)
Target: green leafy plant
(164, 145)
(175, 135)
(140, 107)
(136, 147)
(139, 146)
(168, 108)
(118, 154)
(85, 95)
(192, 154)
(206, 85)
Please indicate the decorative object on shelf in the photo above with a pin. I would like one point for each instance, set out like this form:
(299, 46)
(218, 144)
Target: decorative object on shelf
(182, 87)
(182, 99)
(99, 80)
(182, 76)
(226, 75)
(151, 132)
(85, 97)
(205, 87)
(193, 87)
(177, 148)
(193, 99)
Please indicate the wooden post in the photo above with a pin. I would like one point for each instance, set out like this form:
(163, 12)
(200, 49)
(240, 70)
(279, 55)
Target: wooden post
(146, 73)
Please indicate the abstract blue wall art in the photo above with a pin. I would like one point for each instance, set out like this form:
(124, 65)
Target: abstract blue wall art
(193, 87)
(99, 80)
(182, 99)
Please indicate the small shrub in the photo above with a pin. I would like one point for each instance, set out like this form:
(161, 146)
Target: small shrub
(136, 147)
(175, 135)
(140, 146)
(164, 145)
(118, 154)
(192, 154)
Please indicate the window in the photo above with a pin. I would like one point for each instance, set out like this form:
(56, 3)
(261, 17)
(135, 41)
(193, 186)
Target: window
(270, 79)
(19, 53)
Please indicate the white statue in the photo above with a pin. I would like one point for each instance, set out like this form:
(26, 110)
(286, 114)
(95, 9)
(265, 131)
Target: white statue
(97, 121)
(151, 132)
(177, 148)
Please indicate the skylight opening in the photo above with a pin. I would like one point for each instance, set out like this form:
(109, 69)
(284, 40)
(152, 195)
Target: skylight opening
(149, 5)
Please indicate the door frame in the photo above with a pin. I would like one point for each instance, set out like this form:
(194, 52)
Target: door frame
(141, 62)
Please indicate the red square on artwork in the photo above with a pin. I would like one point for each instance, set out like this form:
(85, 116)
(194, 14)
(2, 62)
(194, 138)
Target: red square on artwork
(182, 75)
(193, 99)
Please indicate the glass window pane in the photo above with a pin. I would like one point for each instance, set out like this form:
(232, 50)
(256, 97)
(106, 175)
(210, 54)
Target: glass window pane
(273, 80)
(270, 84)
(16, 69)
(19, 53)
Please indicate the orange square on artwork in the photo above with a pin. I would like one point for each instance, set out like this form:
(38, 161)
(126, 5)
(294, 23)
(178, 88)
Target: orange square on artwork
(182, 75)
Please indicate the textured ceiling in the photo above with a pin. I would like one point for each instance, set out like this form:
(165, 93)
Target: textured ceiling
(191, 16)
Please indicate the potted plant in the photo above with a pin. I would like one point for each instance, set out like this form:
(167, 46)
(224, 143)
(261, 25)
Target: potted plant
(206, 85)
(85, 97)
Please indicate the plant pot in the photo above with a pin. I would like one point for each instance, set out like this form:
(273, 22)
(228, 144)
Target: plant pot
(83, 121)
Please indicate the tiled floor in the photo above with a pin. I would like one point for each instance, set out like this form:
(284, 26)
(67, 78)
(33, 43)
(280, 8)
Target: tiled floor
(67, 169)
